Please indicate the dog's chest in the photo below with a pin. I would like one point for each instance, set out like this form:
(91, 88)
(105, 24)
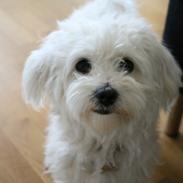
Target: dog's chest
(103, 160)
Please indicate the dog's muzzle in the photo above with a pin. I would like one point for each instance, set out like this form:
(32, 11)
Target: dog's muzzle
(105, 98)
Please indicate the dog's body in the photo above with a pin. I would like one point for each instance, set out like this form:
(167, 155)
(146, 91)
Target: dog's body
(106, 77)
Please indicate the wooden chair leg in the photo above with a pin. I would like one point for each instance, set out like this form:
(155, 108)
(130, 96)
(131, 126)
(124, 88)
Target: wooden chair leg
(174, 120)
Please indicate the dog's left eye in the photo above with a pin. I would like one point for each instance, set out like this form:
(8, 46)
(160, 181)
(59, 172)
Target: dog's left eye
(125, 64)
(83, 66)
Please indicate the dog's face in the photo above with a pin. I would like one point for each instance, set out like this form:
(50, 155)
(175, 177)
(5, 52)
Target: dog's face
(103, 73)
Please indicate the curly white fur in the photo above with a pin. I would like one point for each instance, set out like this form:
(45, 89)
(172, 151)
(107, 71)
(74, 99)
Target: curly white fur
(80, 142)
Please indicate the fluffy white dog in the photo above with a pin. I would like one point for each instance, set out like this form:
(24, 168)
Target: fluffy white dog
(105, 76)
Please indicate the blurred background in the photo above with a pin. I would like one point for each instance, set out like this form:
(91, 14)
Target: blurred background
(23, 23)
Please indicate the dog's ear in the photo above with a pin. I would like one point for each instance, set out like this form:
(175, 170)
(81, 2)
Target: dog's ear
(170, 74)
(166, 72)
(39, 77)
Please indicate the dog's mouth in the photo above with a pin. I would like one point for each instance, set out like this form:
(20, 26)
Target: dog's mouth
(102, 111)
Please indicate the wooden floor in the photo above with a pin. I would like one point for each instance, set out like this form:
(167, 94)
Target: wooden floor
(22, 24)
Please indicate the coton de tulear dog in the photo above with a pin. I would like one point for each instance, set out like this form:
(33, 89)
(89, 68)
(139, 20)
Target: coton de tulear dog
(105, 77)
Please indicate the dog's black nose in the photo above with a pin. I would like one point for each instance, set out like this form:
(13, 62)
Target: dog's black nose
(106, 95)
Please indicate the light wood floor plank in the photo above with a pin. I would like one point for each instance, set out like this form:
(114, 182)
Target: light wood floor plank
(13, 166)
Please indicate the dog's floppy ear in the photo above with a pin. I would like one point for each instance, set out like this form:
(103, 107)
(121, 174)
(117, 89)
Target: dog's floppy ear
(38, 77)
(170, 74)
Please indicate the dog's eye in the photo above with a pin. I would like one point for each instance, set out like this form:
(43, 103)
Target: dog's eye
(126, 64)
(83, 66)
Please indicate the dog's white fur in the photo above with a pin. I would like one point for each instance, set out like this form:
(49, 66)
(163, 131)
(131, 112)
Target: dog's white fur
(81, 143)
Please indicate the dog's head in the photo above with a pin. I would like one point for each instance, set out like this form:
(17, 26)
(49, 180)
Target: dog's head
(103, 71)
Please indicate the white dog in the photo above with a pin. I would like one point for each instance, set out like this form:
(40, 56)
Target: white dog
(105, 76)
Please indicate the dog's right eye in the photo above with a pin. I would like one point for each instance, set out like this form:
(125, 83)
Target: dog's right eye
(125, 64)
(83, 66)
